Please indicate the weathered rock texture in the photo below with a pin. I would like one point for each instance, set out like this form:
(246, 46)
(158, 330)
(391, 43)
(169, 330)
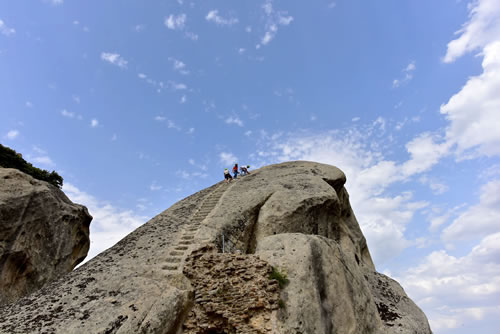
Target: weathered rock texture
(169, 276)
(43, 235)
(234, 294)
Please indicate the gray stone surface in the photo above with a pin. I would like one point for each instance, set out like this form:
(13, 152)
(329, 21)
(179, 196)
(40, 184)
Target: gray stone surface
(43, 235)
(327, 292)
(294, 215)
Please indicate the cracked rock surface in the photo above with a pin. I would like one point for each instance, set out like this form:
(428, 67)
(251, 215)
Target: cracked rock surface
(170, 275)
(43, 235)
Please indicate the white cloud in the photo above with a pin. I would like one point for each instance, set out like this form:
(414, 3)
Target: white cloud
(12, 134)
(425, 152)
(473, 111)
(44, 160)
(28, 104)
(94, 123)
(68, 114)
(407, 75)
(457, 290)
(175, 22)
(39, 150)
(183, 99)
(110, 224)
(5, 30)
(155, 187)
(478, 220)
(171, 125)
(142, 76)
(160, 118)
(114, 137)
(176, 86)
(482, 29)
(55, 2)
(190, 131)
(241, 51)
(274, 19)
(140, 27)
(114, 58)
(227, 158)
(178, 66)
(234, 120)
(191, 35)
(213, 16)
(436, 187)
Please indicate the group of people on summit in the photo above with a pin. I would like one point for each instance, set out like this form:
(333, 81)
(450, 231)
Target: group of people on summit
(243, 170)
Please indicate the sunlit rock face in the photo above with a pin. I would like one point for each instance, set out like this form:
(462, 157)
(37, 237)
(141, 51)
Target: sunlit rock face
(212, 262)
(43, 235)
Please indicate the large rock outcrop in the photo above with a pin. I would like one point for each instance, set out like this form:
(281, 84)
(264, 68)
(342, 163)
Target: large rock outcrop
(43, 235)
(204, 266)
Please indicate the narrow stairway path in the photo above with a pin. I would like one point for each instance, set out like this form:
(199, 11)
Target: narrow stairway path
(187, 241)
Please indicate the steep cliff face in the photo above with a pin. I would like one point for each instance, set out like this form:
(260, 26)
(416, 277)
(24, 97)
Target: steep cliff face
(43, 235)
(204, 266)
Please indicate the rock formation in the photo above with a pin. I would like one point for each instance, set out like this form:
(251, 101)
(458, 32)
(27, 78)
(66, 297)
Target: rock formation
(43, 235)
(206, 265)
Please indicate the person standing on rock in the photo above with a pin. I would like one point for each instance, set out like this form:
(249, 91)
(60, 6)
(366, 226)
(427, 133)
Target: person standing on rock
(235, 171)
(244, 170)
(227, 176)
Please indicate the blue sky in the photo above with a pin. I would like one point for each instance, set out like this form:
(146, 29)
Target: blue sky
(138, 104)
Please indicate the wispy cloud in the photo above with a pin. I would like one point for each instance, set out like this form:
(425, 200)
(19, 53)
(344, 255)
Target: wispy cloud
(227, 158)
(139, 27)
(274, 20)
(407, 75)
(44, 160)
(155, 187)
(172, 125)
(178, 66)
(114, 58)
(54, 2)
(234, 120)
(213, 16)
(12, 134)
(175, 22)
(160, 118)
(5, 30)
(176, 86)
(110, 223)
(68, 114)
(191, 35)
(94, 123)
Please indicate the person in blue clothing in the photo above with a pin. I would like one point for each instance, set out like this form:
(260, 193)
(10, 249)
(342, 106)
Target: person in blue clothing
(244, 170)
(235, 171)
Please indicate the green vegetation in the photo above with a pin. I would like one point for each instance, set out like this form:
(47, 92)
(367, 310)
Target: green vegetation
(281, 278)
(281, 303)
(11, 159)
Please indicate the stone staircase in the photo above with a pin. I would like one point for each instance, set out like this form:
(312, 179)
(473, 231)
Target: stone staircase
(187, 242)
